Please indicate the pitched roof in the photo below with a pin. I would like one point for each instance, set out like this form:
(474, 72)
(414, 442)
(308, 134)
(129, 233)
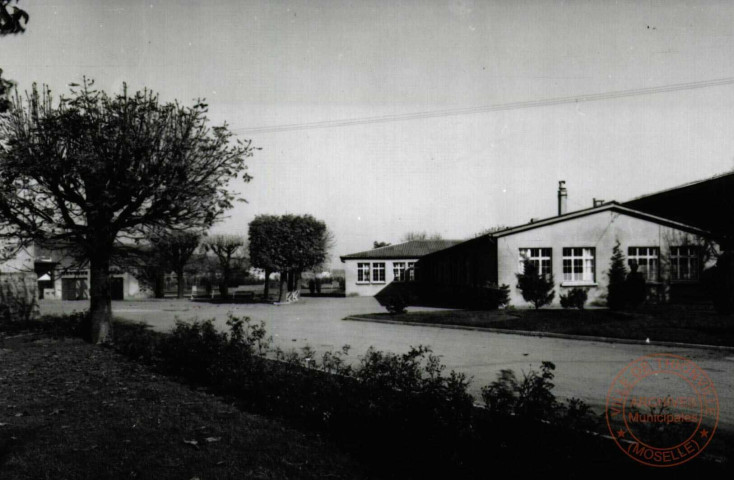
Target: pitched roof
(613, 206)
(413, 249)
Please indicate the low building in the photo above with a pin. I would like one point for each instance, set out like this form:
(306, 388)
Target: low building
(59, 276)
(576, 248)
(367, 273)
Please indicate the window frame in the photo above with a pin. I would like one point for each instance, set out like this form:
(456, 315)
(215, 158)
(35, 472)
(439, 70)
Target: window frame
(647, 257)
(378, 267)
(537, 259)
(398, 271)
(361, 270)
(572, 258)
(675, 263)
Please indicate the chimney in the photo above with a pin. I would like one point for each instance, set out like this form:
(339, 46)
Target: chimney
(598, 202)
(562, 198)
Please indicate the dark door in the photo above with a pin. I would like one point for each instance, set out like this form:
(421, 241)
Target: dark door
(117, 288)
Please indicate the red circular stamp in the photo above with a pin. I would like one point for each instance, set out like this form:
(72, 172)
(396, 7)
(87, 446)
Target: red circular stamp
(662, 410)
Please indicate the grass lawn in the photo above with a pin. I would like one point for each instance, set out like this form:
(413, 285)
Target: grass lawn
(672, 323)
(69, 410)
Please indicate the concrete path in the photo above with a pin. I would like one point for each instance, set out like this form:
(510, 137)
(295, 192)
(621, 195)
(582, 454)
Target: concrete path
(584, 369)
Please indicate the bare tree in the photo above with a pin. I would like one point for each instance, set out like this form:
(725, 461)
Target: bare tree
(230, 251)
(176, 249)
(412, 236)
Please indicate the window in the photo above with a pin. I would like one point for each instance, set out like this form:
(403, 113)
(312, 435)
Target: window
(411, 271)
(578, 265)
(540, 257)
(378, 272)
(363, 272)
(398, 270)
(647, 261)
(684, 263)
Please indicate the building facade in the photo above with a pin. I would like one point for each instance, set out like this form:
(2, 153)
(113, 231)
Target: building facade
(369, 272)
(59, 277)
(576, 249)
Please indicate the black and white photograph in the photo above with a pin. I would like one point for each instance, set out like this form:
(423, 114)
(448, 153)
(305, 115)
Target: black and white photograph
(366, 239)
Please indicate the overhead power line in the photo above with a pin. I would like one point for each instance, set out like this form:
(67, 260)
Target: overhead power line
(594, 97)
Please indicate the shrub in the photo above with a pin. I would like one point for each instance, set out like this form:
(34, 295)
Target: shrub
(532, 398)
(635, 288)
(492, 296)
(616, 294)
(576, 298)
(719, 282)
(536, 288)
(402, 409)
(342, 283)
(396, 305)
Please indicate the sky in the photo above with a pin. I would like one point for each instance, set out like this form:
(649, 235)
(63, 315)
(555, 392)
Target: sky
(266, 64)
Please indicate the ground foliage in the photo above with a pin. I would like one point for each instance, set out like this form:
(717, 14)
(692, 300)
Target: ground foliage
(402, 415)
(69, 410)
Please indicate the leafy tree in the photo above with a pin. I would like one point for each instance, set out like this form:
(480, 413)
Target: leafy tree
(12, 21)
(377, 244)
(308, 243)
(617, 275)
(536, 288)
(97, 171)
(175, 249)
(230, 252)
(266, 247)
(289, 244)
(412, 236)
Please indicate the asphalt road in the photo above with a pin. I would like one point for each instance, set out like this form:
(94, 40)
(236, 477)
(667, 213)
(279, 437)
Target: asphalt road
(584, 369)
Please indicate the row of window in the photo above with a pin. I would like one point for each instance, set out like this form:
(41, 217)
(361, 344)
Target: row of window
(579, 264)
(374, 272)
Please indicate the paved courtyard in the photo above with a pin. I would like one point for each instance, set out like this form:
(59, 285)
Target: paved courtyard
(583, 369)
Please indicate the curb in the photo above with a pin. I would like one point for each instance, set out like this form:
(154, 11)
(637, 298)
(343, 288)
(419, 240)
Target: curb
(528, 333)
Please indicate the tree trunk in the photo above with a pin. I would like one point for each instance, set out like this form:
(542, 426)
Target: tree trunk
(180, 283)
(159, 284)
(294, 288)
(280, 286)
(224, 284)
(266, 292)
(100, 304)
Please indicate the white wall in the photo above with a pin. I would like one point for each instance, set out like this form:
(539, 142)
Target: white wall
(352, 287)
(600, 230)
(22, 262)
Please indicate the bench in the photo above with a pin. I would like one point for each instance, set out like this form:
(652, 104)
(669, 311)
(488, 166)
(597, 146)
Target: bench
(243, 295)
(201, 297)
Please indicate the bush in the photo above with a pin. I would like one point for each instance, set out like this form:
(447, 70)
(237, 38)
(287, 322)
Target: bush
(493, 296)
(342, 283)
(396, 305)
(536, 288)
(616, 292)
(576, 298)
(635, 288)
(532, 398)
(719, 281)
(401, 412)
